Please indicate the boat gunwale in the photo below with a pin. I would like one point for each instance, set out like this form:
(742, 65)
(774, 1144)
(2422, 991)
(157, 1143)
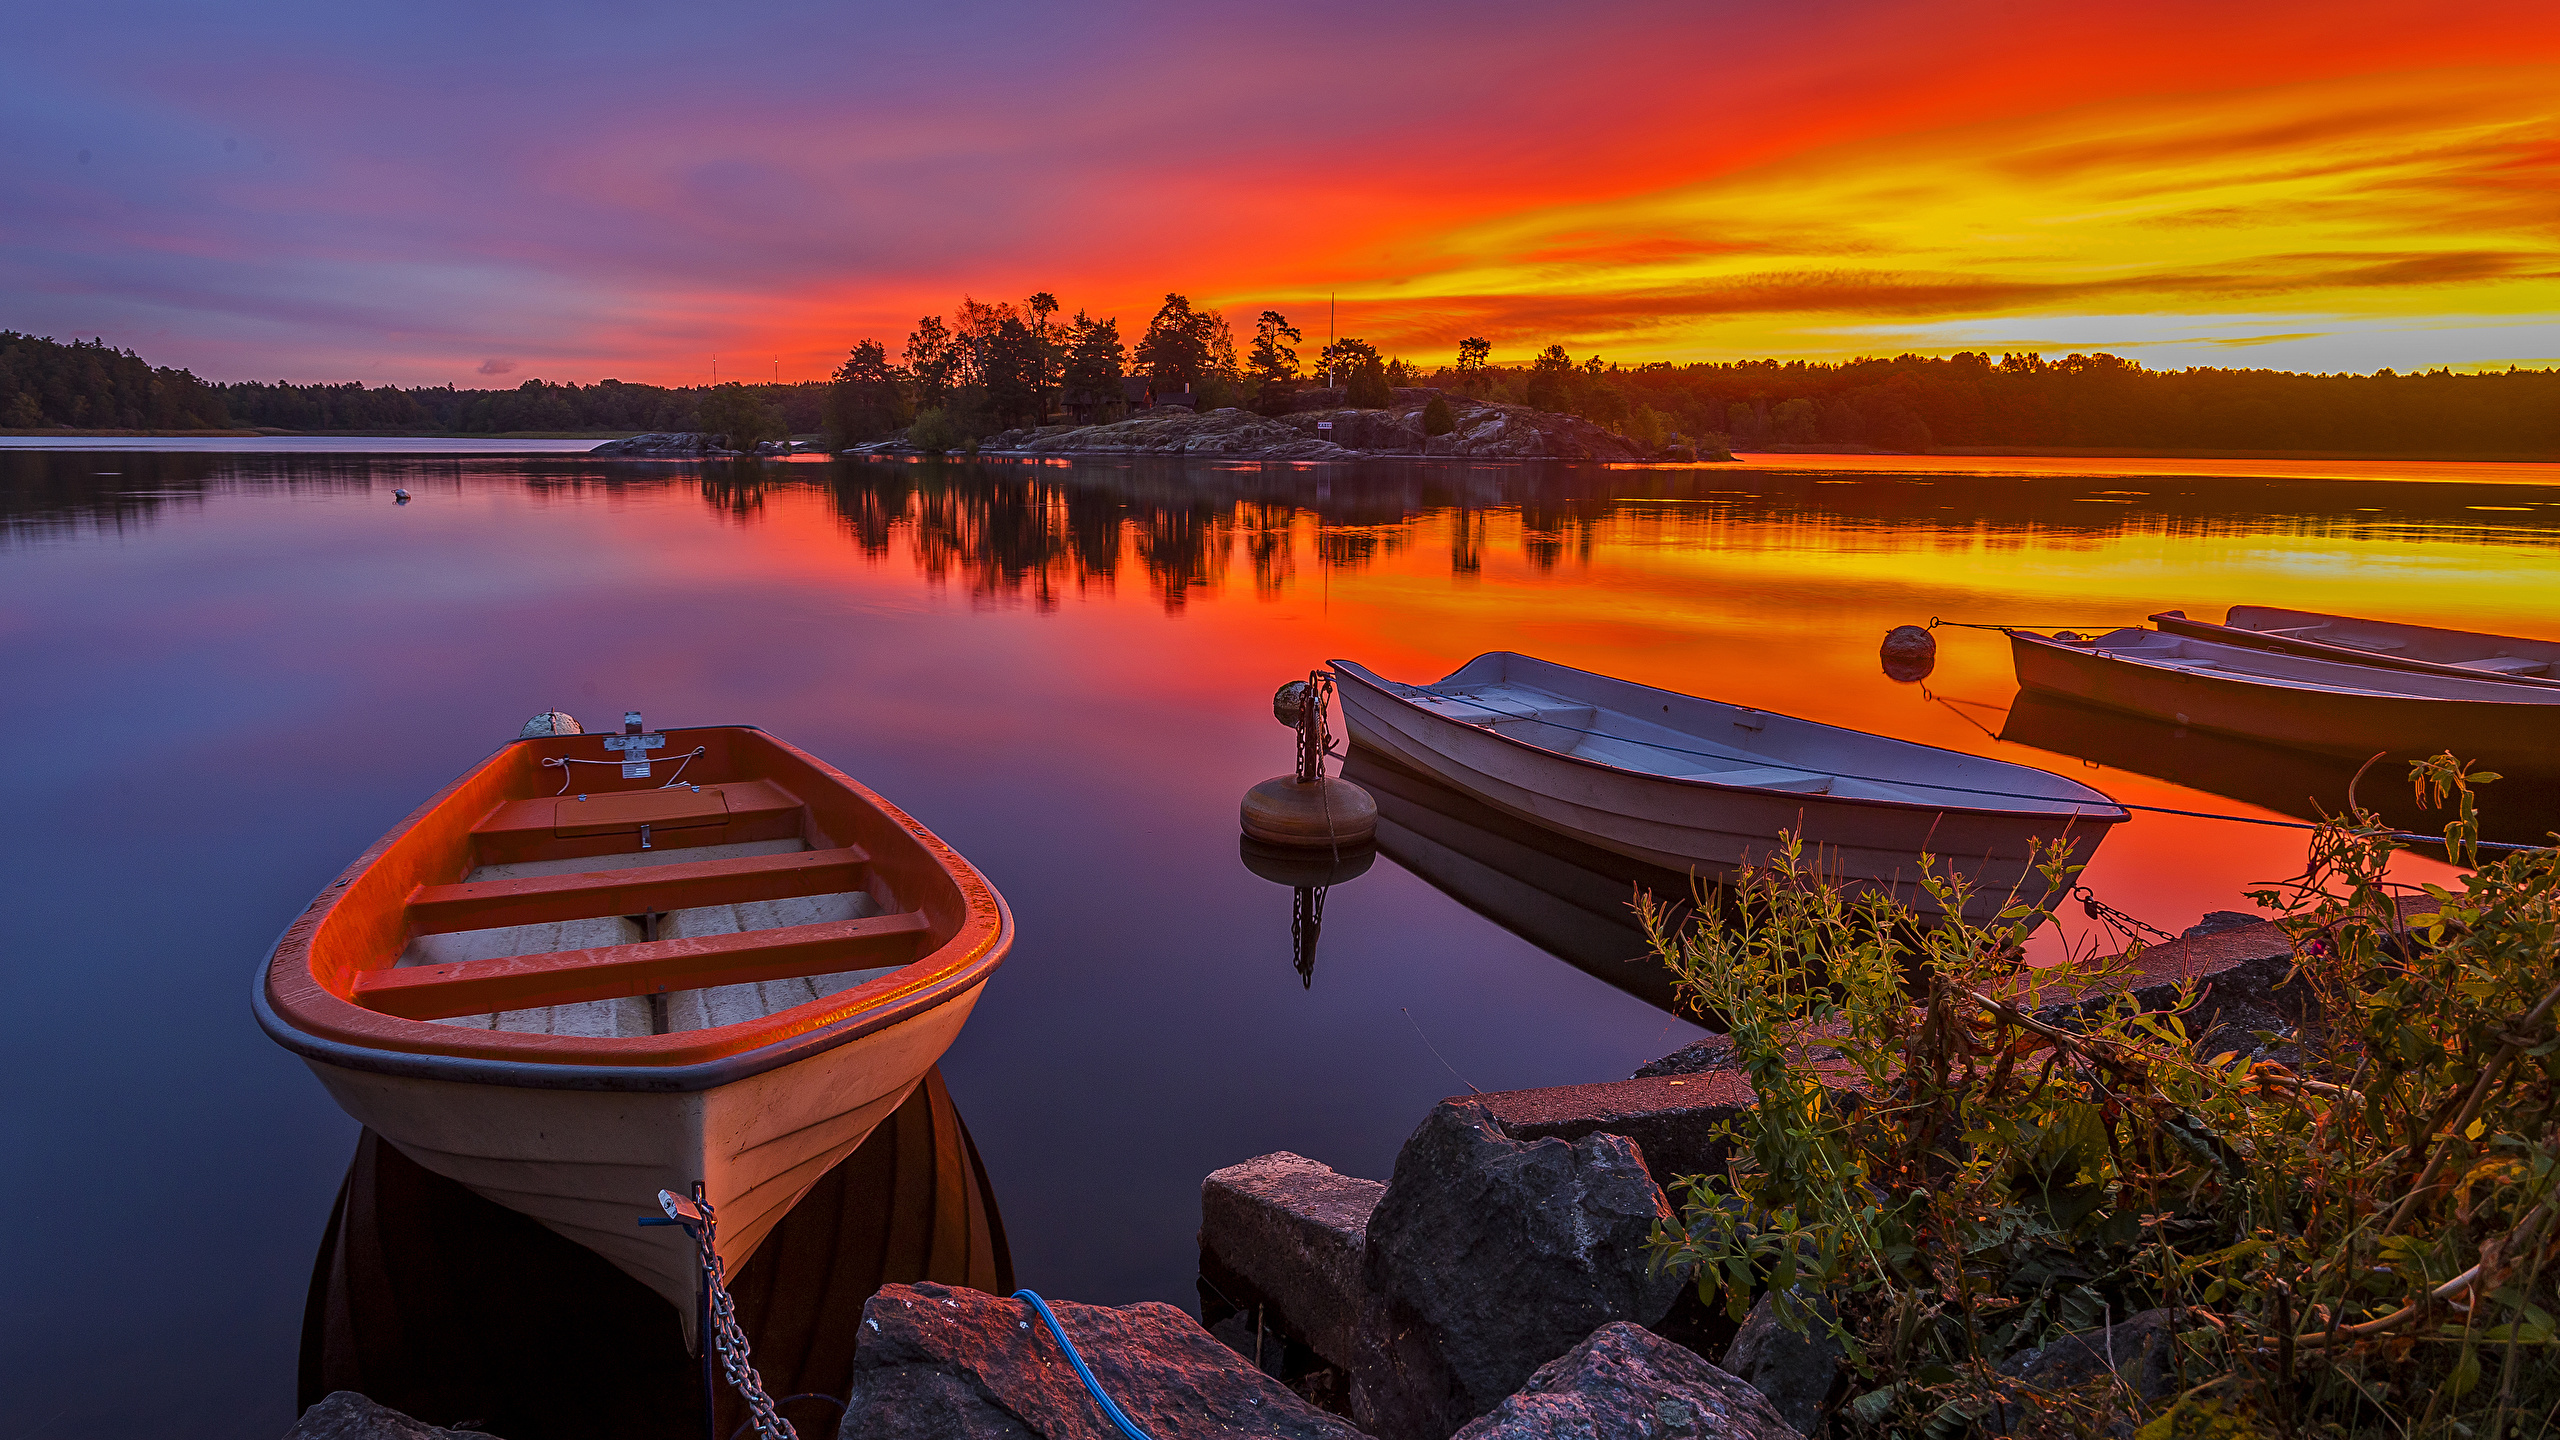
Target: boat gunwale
(2278, 683)
(2073, 814)
(680, 1062)
(2187, 627)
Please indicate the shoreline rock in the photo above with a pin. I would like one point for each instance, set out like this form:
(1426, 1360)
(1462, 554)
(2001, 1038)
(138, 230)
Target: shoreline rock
(1626, 1383)
(938, 1362)
(1489, 1256)
(667, 445)
(1485, 429)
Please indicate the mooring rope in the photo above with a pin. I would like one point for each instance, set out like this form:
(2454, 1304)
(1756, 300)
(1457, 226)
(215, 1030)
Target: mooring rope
(1935, 622)
(563, 762)
(1110, 1408)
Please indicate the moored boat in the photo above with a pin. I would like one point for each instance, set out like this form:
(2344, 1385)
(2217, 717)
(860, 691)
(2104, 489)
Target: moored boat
(1699, 786)
(575, 978)
(2384, 644)
(2332, 707)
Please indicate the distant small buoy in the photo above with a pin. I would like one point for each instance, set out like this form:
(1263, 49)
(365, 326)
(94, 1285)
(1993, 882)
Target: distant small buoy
(1909, 653)
(1301, 868)
(399, 497)
(1326, 812)
(551, 722)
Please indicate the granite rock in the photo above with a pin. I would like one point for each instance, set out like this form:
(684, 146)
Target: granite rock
(667, 445)
(346, 1415)
(936, 1362)
(1490, 1255)
(1624, 1383)
(1796, 1372)
(1291, 1231)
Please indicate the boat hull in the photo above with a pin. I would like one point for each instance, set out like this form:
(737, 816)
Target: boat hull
(2325, 721)
(1697, 828)
(588, 1163)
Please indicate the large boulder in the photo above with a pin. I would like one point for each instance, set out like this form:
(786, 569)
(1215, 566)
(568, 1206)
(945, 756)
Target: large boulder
(939, 1363)
(1795, 1372)
(1489, 1256)
(346, 1415)
(1287, 1233)
(1625, 1383)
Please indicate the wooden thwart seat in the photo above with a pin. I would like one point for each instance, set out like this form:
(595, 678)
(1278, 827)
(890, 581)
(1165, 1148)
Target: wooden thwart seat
(542, 899)
(561, 826)
(525, 982)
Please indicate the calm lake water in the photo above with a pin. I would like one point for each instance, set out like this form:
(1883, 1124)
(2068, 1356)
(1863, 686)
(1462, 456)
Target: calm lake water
(228, 673)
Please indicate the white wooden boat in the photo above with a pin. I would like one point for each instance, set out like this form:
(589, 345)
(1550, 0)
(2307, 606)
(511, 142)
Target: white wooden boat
(598, 966)
(2328, 706)
(2385, 644)
(1700, 786)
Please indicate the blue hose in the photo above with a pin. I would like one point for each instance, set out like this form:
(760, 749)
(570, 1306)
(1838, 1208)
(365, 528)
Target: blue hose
(1093, 1387)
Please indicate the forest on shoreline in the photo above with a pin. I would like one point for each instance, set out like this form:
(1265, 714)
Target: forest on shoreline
(992, 366)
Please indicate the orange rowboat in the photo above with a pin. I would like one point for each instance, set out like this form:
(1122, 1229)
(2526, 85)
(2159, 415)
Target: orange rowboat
(599, 966)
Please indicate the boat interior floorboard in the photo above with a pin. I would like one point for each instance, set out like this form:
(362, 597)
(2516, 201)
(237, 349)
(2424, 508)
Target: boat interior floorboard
(640, 1015)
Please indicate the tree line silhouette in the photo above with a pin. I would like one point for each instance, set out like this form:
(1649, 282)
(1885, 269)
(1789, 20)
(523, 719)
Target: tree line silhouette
(992, 366)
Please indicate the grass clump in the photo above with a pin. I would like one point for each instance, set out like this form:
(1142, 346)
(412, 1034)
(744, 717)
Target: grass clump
(2351, 1231)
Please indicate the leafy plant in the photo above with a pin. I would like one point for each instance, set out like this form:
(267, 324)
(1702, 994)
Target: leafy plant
(1436, 419)
(1953, 1159)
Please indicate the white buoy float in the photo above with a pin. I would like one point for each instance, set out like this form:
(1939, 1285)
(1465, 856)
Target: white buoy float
(1309, 809)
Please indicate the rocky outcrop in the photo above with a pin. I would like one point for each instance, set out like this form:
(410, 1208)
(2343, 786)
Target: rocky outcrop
(1171, 430)
(1284, 1232)
(1485, 430)
(670, 445)
(1489, 1256)
(940, 1363)
(1794, 1372)
(1624, 1383)
(346, 1415)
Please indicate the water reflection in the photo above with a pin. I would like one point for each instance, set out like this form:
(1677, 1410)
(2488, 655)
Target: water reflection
(1308, 873)
(459, 1311)
(2519, 808)
(1572, 900)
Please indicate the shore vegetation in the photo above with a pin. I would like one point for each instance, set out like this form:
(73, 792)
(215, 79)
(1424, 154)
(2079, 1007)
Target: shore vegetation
(2352, 1229)
(996, 364)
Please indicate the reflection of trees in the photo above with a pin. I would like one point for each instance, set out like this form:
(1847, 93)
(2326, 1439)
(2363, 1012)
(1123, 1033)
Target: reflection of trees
(1013, 530)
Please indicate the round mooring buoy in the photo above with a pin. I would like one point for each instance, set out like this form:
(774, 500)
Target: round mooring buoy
(1326, 812)
(1909, 653)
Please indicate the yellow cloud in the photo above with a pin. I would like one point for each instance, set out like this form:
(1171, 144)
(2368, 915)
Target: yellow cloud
(2384, 206)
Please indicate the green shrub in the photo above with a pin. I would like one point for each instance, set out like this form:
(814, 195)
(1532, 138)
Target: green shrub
(934, 432)
(1436, 419)
(2361, 1240)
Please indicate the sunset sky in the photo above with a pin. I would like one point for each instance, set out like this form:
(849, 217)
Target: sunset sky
(481, 193)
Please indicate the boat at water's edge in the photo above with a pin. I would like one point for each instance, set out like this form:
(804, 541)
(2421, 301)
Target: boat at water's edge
(2383, 644)
(568, 1000)
(1700, 786)
(2326, 706)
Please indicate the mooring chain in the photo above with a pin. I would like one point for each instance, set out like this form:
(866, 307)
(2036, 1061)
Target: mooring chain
(725, 1334)
(2115, 919)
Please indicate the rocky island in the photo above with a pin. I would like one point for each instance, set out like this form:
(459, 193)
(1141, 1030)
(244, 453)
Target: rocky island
(1323, 428)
